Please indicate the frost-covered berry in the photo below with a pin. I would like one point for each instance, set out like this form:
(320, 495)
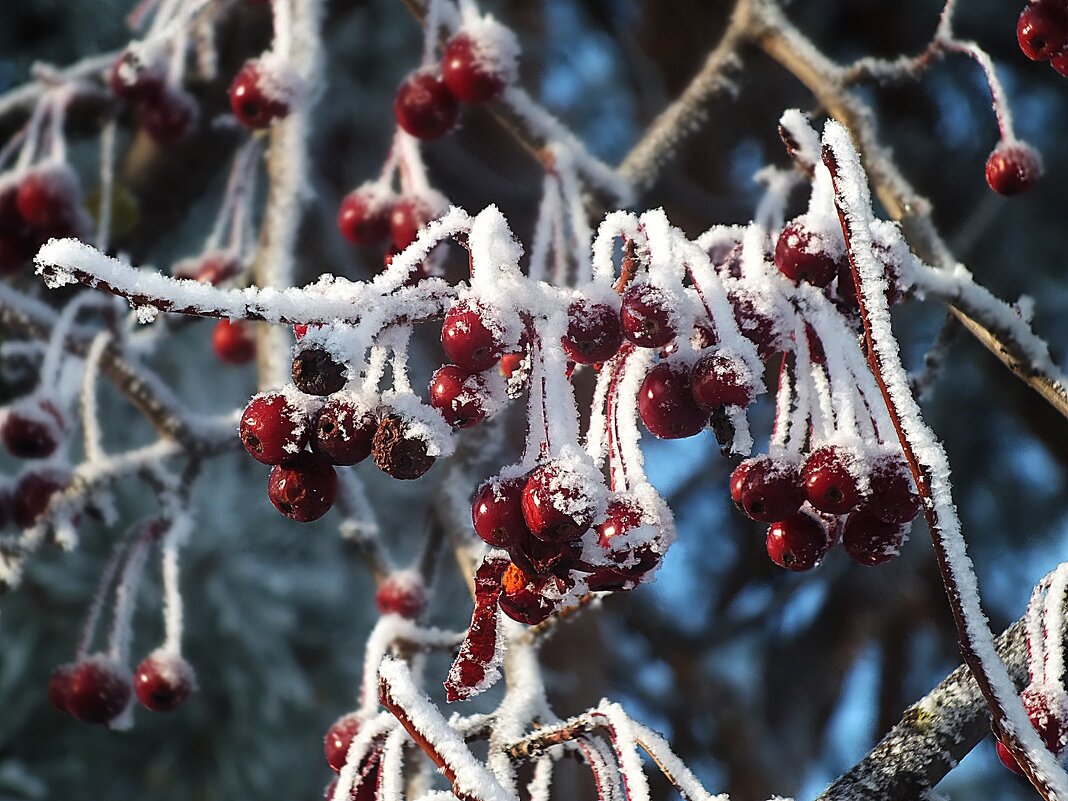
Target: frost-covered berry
(647, 317)
(343, 431)
(459, 396)
(254, 101)
(871, 541)
(33, 492)
(803, 255)
(163, 681)
(134, 81)
(497, 512)
(57, 686)
(893, 497)
(272, 429)
(170, 117)
(666, 403)
(537, 557)
(48, 198)
(631, 560)
(234, 341)
(401, 594)
(1042, 29)
(797, 543)
(316, 372)
(398, 451)
(1013, 168)
(469, 338)
(720, 379)
(471, 71)
(757, 324)
(424, 106)
(98, 690)
(530, 599)
(407, 218)
(771, 490)
(304, 488)
(594, 333)
(338, 739)
(556, 503)
(830, 485)
(363, 218)
(32, 429)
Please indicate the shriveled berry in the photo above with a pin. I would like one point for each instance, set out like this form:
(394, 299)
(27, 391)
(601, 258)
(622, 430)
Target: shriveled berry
(459, 396)
(98, 690)
(497, 512)
(424, 106)
(33, 493)
(469, 70)
(252, 100)
(556, 504)
(594, 333)
(304, 488)
(531, 599)
(721, 379)
(647, 317)
(830, 485)
(32, 429)
(469, 338)
(272, 429)
(797, 543)
(343, 431)
(803, 255)
(57, 686)
(234, 341)
(338, 739)
(871, 541)
(1042, 29)
(363, 218)
(771, 490)
(1013, 168)
(398, 452)
(163, 681)
(316, 372)
(893, 498)
(402, 594)
(666, 403)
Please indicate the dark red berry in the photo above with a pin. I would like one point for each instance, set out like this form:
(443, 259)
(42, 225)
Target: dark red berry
(48, 198)
(407, 218)
(338, 739)
(459, 396)
(871, 541)
(556, 504)
(469, 338)
(1042, 29)
(594, 333)
(134, 81)
(469, 70)
(830, 485)
(363, 218)
(771, 489)
(170, 117)
(57, 686)
(530, 599)
(98, 690)
(803, 255)
(399, 452)
(537, 557)
(666, 403)
(757, 324)
(234, 341)
(316, 372)
(797, 543)
(893, 498)
(163, 681)
(252, 100)
(33, 493)
(1007, 759)
(401, 594)
(737, 482)
(32, 429)
(344, 430)
(272, 429)
(1013, 168)
(721, 379)
(215, 268)
(646, 316)
(304, 488)
(497, 512)
(632, 560)
(1060, 63)
(424, 106)
(1046, 719)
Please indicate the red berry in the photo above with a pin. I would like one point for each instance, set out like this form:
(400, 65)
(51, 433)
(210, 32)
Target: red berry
(272, 429)
(217, 267)
(407, 218)
(666, 403)
(401, 594)
(163, 681)
(797, 543)
(771, 490)
(170, 117)
(398, 451)
(1044, 718)
(98, 690)
(556, 504)
(57, 686)
(424, 106)
(18, 242)
(892, 498)
(1013, 168)
(344, 431)
(33, 493)
(363, 218)
(510, 362)
(720, 379)
(1042, 29)
(32, 429)
(234, 341)
(252, 100)
(528, 599)
(497, 512)
(1060, 63)
(758, 325)
(134, 81)
(594, 333)
(469, 72)
(48, 199)
(647, 317)
(338, 739)
(459, 396)
(1007, 759)
(803, 255)
(830, 485)
(737, 482)
(469, 339)
(303, 489)
(871, 541)
(633, 560)
(537, 557)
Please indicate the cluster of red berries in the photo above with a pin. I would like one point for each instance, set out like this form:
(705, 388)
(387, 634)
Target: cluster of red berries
(1048, 719)
(336, 748)
(475, 68)
(97, 689)
(42, 203)
(835, 493)
(1042, 32)
(372, 214)
(166, 112)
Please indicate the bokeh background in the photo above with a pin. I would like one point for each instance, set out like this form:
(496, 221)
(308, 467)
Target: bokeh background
(766, 683)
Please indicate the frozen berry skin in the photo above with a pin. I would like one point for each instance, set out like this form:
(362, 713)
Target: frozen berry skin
(163, 681)
(250, 101)
(363, 218)
(33, 493)
(467, 74)
(304, 488)
(829, 485)
(530, 599)
(48, 198)
(555, 507)
(646, 316)
(892, 498)
(338, 739)
(272, 429)
(797, 543)
(468, 341)
(1042, 29)
(771, 490)
(401, 594)
(169, 118)
(1013, 168)
(57, 686)
(343, 431)
(871, 541)
(801, 256)
(424, 106)
(399, 453)
(32, 430)
(720, 379)
(407, 218)
(497, 512)
(459, 396)
(234, 341)
(666, 404)
(316, 372)
(98, 690)
(594, 333)
(134, 81)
